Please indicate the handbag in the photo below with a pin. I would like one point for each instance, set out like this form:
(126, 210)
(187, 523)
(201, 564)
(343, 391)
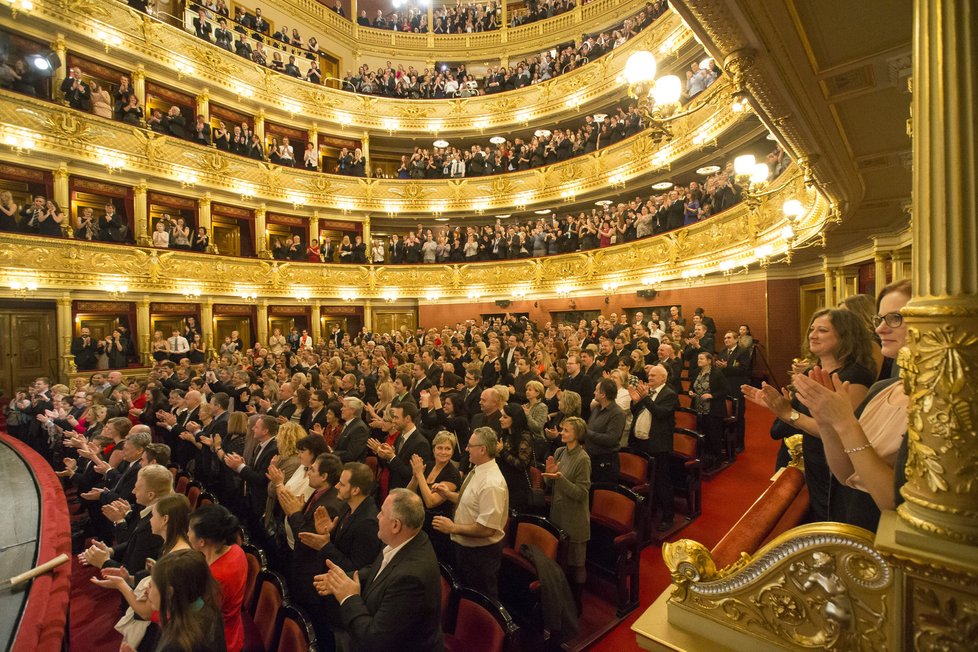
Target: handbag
(132, 627)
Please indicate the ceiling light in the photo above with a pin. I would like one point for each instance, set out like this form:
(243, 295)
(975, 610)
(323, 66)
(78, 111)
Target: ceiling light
(441, 219)
(600, 117)
(760, 173)
(603, 202)
(503, 217)
(771, 136)
(542, 133)
(497, 140)
(667, 90)
(662, 185)
(640, 67)
(441, 144)
(542, 211)
(707, 170)
(793, 208)
(744, 165)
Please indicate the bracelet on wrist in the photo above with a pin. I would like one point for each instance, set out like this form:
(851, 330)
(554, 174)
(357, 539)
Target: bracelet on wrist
(850, 451)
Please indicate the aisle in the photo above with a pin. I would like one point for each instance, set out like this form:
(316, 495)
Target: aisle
(725, 498)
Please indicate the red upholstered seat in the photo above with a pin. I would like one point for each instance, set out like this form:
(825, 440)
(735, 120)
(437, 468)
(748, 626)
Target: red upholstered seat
(270, 595)
(685, 471)
(183, 481)
(256, 563)
(481, 624)
(193, 494)
(297, 634)
(616, 520)
(518, 583)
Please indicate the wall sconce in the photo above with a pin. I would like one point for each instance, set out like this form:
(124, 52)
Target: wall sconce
(523, 117)
(108, 39)
(437, 208)
(522, 199)
(390, 295)
(391, 207)
(763, 254)
(302, 296)
(16, 6)
(246, 190)
(297, 200)
(112, 161)
(242, 91)
(187, 178)
(348, 295)
(434, 127)
(568, 195)
(391, 125)
(20, 141)
(616, 180)
(519, 294)
(481, 124)
(479, 206)
(345, 205)
(184, 68)
(191, 293)
(248, 295)
(474, 294)
(432, 295)
(23, 290)
(610, 287)
(344, 119)
(562, 290)
(116, 290)
(292, 108)
(692, 275)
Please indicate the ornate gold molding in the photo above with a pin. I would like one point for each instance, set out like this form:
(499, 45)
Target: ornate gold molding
(534, 37)
(695, 250)
(63, 133)
(226, 75)
(820, 586)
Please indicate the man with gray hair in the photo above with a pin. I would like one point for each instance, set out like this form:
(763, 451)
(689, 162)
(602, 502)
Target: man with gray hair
(119, 482)
(482, 507)
(394, 603)
(351, 445)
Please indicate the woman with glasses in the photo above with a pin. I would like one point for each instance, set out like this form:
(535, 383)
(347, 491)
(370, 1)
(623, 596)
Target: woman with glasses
(866, 448)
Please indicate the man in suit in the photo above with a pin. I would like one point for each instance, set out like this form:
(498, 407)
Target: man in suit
(120, 481)
(112, 226)
(711, 326)
(253, 471)
(420, 383)
(396, 459)
(336, 337)
(673, 365)
(734, 362)
(490, 410)
(402, 391)
(489, 374)
(652, 430)
(395, 603)
(349, 541)
(351, 445)
(471, 394)
(590, 366)
(314, 420)
(579, 382)
(186, 411)
(134, 538)
(284, 407)
(83, 348)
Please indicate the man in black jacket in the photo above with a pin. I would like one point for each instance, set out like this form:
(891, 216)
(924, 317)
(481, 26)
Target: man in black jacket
(654, 408)
(83, 348)
(397, 458)
(734, 362)
(351, 445)
(134, 538)
(579, 382)
(253, 471)
(76, 92)
(395, 603)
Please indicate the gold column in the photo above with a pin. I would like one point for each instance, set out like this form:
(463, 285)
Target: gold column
(504, 17)
(62, 196)
(140, 217)
(368, 315)
(204, 219)
(262, 326)
(829, 284)
(840, 285)
(61, 49)
(143, 327)
(365, 148)
(204, 104)
(431, 19)
(207, 323)
(354, 14)
(65, 333)
(941, 491)
(314, 227)
(898, 261)
(261, 234)
(366, 236)
(317, 322)
(879, 262)
(139, 85)
(260, 124)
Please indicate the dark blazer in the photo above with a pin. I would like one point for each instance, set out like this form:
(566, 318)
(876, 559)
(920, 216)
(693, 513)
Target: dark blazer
(663, 411)
(351, 445)
(120, 482)
(134, 543)
(401, 607)
(420, 386)
(85, 357)
(400, 464)
(354, 543)
(282, 409)
(308, 420)
(719, 390)
(306, 563)
(583, 385)
(471, 401)
(738, 369)
(256, 482)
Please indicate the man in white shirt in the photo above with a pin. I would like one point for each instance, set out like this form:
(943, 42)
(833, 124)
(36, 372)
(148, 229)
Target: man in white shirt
(177, 346)
(482, 506)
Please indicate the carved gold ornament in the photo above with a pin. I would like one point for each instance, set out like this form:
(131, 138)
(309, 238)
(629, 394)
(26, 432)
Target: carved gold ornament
(820, 587)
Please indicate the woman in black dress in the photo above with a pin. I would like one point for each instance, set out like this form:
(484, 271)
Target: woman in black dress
(441, 470)
(515, 455)
(198, 350)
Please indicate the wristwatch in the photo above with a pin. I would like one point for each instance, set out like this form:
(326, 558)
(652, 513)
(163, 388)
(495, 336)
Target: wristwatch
(794, 416)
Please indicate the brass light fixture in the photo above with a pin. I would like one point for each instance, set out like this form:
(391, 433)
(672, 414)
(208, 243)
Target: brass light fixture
(658, 99)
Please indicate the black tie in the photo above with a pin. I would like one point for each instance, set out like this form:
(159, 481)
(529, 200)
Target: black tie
(398, 443)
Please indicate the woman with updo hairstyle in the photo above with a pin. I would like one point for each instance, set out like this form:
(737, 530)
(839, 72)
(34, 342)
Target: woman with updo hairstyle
(515, 455)
(214, 532)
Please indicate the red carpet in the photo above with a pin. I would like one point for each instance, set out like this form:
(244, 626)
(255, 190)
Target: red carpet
(726, 497)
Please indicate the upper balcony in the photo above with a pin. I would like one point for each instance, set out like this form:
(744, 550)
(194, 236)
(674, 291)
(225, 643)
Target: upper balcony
(477, 46)
(115, 33)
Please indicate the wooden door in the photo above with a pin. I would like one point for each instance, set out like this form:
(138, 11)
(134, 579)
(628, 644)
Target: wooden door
(385, 322)
(227, 238)
(224, 324)
(812, 300)
(28, 348)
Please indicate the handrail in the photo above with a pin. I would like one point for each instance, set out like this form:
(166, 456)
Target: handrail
(77, 136)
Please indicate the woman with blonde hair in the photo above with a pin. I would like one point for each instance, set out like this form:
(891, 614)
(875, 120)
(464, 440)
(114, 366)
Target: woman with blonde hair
(536, 417)
(286, 461)
(8, 212)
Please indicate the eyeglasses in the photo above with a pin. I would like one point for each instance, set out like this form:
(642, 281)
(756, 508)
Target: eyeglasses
(471, 445)
(892, 319)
